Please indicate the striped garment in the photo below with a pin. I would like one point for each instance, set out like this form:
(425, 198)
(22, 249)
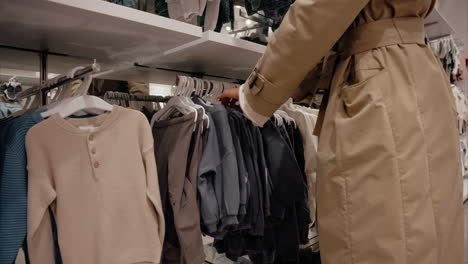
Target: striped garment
(13, 185)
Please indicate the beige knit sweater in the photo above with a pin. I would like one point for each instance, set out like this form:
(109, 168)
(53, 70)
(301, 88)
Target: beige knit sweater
(102, 187)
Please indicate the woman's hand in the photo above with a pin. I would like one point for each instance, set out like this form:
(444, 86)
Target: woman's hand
(230, 94)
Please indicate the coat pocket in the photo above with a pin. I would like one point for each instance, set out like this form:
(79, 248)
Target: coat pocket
(359, 95)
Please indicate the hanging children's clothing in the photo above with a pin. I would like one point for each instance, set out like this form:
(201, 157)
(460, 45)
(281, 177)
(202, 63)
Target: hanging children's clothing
(277, 216)
(218, 174)
(99, 177)
(289, 198)
(14, 184)
(253, 221)
(178, 149)
(305, 120)
(244, 187)
(101, 198)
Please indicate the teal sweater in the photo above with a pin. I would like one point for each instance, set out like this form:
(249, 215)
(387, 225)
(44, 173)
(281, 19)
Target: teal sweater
(13, 185)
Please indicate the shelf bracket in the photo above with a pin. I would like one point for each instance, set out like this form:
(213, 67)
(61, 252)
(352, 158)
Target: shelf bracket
(43, 56)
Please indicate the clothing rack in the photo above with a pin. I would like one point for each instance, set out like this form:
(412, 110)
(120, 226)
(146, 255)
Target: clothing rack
(138, 98)
(138, 102)
(34, 90)
(192, 74)
(57, 82)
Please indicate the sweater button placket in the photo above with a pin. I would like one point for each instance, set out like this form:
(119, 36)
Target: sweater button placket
(93, 151)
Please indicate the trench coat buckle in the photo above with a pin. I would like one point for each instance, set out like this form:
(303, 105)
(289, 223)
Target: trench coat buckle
(255, 82)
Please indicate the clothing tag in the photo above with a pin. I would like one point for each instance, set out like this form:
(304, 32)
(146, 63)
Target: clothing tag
(88, 128)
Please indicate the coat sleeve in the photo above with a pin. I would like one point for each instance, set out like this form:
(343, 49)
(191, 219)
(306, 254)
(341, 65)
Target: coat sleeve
(307, 33)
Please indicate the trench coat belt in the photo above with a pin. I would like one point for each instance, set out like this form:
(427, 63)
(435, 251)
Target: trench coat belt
(377, 34)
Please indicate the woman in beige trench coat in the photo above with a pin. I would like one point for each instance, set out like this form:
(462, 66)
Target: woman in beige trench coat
(389, 187)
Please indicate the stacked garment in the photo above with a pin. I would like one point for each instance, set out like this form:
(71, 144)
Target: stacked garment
(127, 3)
(190, 10)
(144, 5)
(178, 147)
(277, 217)
(275, 9)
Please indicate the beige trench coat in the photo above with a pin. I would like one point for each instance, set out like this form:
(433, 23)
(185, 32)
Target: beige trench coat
(389, 181)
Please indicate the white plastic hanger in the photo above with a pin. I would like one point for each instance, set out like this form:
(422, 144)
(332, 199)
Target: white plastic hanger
(86, 103)
(194, 84)
(81, 103)
(204, 94)
(205, 87)
(207, 95)
(65, 91)
(59, 97)
(199, 86)
(187, 89)
(218, 88)
(176, 103)
(222, 87)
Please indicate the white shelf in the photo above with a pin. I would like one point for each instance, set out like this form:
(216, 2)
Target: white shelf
(437, 26)
(116, 35)
(91, 29)
(214, 54)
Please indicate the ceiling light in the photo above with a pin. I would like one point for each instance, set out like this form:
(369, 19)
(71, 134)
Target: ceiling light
(238, 6)
(228, 28)
(248, 22)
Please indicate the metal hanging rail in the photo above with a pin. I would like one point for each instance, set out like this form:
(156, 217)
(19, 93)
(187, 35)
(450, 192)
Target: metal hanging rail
(192, 74)
(138, 98)
(59, 81)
